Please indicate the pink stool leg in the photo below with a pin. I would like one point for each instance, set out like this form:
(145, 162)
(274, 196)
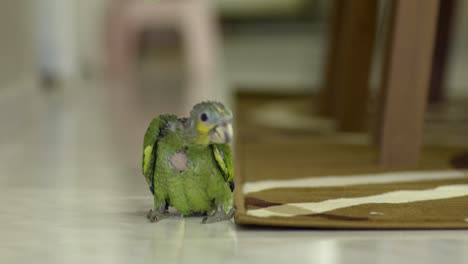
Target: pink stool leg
(196, 22)
(202, 47)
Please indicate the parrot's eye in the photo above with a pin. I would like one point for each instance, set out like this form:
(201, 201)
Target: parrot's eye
(203, 117)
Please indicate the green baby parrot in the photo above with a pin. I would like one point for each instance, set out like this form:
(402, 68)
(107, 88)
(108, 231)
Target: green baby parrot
(187, 163)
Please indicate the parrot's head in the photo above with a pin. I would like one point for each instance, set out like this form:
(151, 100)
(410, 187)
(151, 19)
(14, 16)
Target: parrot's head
(212, 123)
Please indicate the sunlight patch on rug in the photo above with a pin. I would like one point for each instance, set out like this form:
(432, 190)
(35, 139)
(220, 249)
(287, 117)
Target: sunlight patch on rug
(335, 181)
(396, 197)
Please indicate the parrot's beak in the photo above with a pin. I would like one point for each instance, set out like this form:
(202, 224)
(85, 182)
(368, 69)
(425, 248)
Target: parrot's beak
(222, 134)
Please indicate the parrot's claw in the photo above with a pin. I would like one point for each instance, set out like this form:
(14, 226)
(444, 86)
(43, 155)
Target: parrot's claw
(219, 215)
(156, 215)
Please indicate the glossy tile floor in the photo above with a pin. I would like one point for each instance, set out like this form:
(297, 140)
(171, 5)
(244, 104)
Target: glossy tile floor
(71, 192)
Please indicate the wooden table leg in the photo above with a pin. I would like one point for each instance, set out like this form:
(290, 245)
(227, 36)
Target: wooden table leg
(407, 81)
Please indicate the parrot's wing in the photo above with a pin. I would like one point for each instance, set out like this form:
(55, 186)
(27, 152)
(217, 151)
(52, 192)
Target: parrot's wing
(150, 146)
(222, 155)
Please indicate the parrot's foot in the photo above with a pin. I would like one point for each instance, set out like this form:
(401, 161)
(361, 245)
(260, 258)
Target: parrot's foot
(156, 215)
(219, 215)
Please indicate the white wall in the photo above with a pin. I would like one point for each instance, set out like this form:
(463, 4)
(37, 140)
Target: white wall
(90, 22)
(55, 38)
(69, 35)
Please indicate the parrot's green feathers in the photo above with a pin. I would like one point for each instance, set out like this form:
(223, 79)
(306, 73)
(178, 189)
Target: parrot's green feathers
(155, 127)
(150, 146)
(146, 158)
(187, 162)
(223, 156)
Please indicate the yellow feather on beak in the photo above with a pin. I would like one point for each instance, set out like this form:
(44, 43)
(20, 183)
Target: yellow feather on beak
(203, 133)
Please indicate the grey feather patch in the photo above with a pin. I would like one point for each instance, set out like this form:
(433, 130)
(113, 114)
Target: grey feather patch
(179, 161)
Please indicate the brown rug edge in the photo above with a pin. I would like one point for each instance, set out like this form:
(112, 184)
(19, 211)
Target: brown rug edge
(247, 220)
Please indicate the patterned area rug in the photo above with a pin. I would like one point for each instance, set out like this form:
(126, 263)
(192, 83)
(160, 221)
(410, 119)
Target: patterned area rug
(418, 199)
(314, 178)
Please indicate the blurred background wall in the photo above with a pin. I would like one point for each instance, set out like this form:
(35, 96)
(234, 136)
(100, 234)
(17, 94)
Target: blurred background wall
(56, 38)
(275, 54)
(89, 24)
(458, 59)
(16, 41)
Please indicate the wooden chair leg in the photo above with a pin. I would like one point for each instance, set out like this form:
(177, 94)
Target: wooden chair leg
(407, 82)
(441, 50)
(377, 125)
(327, 105)
(353, 69)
